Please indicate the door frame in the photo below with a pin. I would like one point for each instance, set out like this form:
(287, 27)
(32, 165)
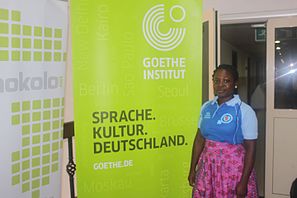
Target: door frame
(273, 114)
(214, 45)
(269, 140)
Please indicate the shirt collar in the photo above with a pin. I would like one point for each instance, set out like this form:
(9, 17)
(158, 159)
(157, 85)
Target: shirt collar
(232, 102)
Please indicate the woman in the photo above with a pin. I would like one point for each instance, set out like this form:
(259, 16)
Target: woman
(223, 152)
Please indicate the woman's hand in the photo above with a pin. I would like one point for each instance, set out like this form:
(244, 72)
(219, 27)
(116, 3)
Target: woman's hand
(198, 146)
(241, 190)
(191, 178)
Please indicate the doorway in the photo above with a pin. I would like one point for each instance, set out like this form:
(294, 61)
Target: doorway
(244, 45)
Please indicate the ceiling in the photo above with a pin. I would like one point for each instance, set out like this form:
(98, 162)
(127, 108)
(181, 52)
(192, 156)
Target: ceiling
(242, 36)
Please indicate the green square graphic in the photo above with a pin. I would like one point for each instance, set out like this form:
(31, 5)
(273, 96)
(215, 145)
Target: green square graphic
(25, 175)
(3, 14)
(36, 128)
(15, 42)
(36, 162)
(47, 103)
(55, 146)
(4, 28)
(46, 126)
(36, 183)
(57, 56)
(37, 31)
(26, 105)
(37, 43)
(15, 15)
(36, 139)
(26, 43)
(58, 33)
(25, 153)
(15, 156)
(15, 120)
(3, 55)
(46, 159)
(25, 165)
(56, 102)
(46, 115)
(55, 135)
(56, 113)
(47, 56)
(57, 45)
(37, 104)
(35, 172)
(55, 157)
(37, 56)
(55, 124)
(16, 29)
(27, 30)
(15, 168)
(62, 112)
(45, 180)
(46, 148)
(62, 101)
(45, 170)
(36, 194)
(47, 32)
(46, 137)
(4, 41)
(47, 44)
(36, 116)
(55, 167)
(25, 141)
(25, 129)
(25, 187)
(15, 179)
(26, 56)
(25, 117)
(16, 55)
(36, 150)
(15, 107)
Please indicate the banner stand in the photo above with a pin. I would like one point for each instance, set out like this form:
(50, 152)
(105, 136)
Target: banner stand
(71, 166)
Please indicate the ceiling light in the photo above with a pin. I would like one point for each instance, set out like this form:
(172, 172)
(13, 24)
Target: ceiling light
(277, 48)
(277, 42)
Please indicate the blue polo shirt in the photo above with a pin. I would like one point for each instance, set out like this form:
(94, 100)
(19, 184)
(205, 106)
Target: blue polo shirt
(232, 121)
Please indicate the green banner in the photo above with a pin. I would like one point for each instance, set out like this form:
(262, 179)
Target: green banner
(137, 94)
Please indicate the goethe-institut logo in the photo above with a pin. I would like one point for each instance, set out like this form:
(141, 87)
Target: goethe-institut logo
(163, 41)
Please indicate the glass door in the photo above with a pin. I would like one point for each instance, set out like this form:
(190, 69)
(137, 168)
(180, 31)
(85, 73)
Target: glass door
(281, 125)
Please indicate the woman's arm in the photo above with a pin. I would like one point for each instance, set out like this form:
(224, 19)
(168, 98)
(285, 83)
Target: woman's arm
(198, 146)
(249, 160)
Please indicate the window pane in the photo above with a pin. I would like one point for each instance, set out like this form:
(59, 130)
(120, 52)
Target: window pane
(285, 68)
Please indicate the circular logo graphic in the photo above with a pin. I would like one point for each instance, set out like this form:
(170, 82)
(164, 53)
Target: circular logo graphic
(226, 118)
(151, 27)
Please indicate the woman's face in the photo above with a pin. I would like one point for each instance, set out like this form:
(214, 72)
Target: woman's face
(223, 84)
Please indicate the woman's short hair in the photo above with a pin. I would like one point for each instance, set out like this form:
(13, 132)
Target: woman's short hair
(230, 68)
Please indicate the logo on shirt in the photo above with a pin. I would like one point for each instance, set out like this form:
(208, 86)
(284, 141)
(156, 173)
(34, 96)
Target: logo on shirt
(207, 115)
(225, 119)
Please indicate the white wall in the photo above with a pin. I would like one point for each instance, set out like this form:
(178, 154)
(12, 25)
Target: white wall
(251, 9)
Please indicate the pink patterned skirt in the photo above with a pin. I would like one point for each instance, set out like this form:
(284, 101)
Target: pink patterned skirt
(219, 170)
